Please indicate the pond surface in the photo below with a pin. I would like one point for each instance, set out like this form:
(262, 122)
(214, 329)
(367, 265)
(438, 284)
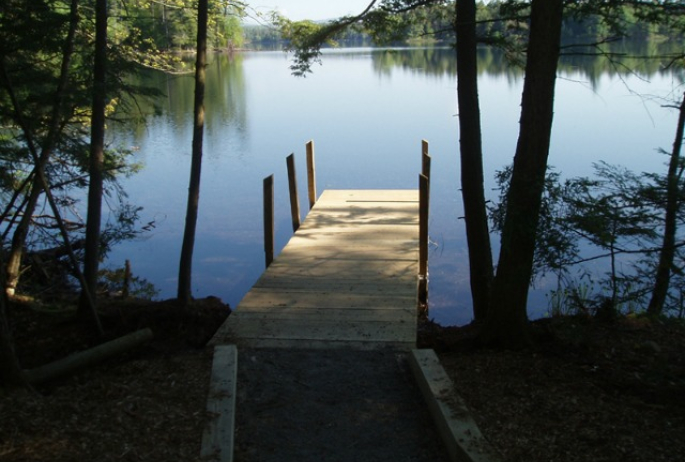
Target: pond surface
(367, 111)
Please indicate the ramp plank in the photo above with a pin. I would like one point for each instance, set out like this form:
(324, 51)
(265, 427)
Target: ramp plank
(347, 278)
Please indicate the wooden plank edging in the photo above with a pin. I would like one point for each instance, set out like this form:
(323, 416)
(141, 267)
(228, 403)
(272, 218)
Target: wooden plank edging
(460, 434)
(218, 436)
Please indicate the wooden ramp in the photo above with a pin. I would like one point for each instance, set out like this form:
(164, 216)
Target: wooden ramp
(347, 278)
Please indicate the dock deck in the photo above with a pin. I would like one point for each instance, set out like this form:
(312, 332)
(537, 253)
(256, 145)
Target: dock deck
(346, 279)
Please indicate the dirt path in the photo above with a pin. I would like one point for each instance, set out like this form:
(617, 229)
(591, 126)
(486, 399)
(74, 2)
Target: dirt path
(332, 405)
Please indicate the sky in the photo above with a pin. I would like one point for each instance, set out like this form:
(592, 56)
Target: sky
(310, 9)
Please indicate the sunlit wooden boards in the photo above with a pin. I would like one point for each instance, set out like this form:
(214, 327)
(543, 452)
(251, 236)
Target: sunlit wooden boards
(346, 279)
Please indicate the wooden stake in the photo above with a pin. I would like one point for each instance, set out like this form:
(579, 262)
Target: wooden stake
(423, 238)
(311, 174)
(269, 219)
(126, 286)
(294, 199)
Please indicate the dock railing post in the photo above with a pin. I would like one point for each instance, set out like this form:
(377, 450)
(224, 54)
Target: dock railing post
(424, 186)
(424, 209)
(294, 198)
(426, 168)
(311, 174)
(269, 219)
(425, 160)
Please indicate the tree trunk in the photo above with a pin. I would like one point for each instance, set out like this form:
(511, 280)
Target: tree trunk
(663, 272)
(16, 252)
(97, 158)
(507, 319)
(185, 270)
(473, 194)
(11, 375)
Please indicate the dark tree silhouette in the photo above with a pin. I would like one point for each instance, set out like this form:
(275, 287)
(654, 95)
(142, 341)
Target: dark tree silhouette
(185, 267)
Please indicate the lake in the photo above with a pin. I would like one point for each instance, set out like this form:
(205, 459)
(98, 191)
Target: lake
(367, 111)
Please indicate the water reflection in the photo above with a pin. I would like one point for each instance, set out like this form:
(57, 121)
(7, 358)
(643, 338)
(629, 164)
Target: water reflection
(367, 110)
(643, 58)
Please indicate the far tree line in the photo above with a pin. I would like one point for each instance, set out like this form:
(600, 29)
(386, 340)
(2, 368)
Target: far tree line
(172, 25)
(433, 23)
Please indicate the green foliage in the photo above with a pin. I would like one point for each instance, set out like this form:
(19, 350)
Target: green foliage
(385, 28)
(607, 209)
(151, 26)
(122, 226)
(225, 31)
(390, 23)
(589, 28)
(115, 281)
(411, 22)
(571, 297)
(556, 247)
(262, 35)
(616, 217)
(45, 106)
(305, 38)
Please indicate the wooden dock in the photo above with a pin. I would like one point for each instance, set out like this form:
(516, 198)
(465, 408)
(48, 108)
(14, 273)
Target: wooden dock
(347, 278)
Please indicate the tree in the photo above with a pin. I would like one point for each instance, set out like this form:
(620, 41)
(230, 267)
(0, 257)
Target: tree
(44, 131)
(97, 158)
(185, 267)
(225, 30)
(507, 319)
(46, 99)
(667, 254)
(613, 213)
(557, 242)
(621, 215)
(473, 192)
(171, 24)
(42, 140)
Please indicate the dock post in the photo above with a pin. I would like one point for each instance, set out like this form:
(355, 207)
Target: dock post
(269, 219)
(423, 239)
(126, 286)
(426, 169)
(311, 174)
(425, 159)
(294, 198)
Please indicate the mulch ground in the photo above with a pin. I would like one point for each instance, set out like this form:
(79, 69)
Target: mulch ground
(145, 405)
(586, 391)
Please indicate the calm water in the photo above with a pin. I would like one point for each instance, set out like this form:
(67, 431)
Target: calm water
(367, 111)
